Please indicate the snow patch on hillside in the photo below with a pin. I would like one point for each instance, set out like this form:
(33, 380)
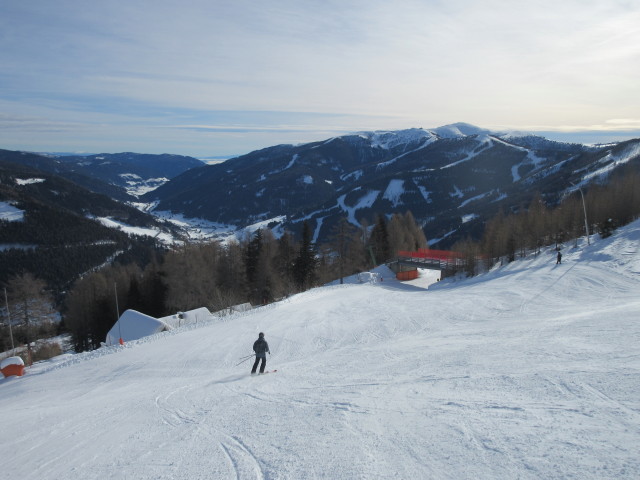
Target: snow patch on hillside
(196, 228)
(426, 194)
(138, 186)
(484, 143)
(473, 199)
(394, 192)
(390, 139)
(353, 176)
(613, 161)
(530, 159)
(9, 213)
(365, 201)
(457, 193)
(382, 165)
(291, 163)
(140, 231)
(263, 224)
(29, 181)
(17, 246)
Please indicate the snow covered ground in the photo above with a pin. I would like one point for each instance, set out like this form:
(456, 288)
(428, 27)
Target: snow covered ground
(531, 371)
(141, 231)
(10, 213)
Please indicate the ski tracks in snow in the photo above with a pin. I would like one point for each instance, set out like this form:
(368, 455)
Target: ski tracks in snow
(171, 412)
(198, 430)
(244, 462)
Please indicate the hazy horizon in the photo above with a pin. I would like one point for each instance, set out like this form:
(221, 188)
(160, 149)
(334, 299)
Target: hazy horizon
(210, 78)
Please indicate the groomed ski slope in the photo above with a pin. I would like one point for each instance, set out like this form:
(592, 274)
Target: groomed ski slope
(531, 371)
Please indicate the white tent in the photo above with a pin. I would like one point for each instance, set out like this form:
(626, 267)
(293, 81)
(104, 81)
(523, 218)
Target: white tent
(133, 325)
(189, 317)
(369, 277)
(202, 314)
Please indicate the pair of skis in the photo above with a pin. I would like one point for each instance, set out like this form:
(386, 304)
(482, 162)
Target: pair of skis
(263, 373)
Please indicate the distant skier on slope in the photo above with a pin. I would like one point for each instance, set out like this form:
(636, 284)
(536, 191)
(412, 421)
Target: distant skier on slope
(559, 260)
(260, 347)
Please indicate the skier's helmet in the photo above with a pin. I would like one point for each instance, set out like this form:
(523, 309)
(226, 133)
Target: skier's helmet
(261, 334)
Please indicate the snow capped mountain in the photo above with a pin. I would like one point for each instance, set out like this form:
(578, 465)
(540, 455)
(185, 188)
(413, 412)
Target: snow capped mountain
(452, 178)
(459, 130)
(530, 371)
(390, 139)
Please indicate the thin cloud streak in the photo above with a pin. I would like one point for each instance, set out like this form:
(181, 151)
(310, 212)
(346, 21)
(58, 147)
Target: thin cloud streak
(125, 69)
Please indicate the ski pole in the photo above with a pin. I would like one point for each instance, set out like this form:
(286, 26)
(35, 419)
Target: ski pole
(244, 360)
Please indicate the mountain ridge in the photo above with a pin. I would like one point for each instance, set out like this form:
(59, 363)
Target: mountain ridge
(448, 177)
(452, 178)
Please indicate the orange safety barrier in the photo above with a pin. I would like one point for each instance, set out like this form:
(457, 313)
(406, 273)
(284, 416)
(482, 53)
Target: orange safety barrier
(409, 275)
(13, 370)
(431, 254)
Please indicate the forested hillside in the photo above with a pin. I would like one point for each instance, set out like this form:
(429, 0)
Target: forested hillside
(57, 237)
(120, 176)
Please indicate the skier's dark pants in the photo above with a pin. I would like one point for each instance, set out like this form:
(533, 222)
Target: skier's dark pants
(255, 364)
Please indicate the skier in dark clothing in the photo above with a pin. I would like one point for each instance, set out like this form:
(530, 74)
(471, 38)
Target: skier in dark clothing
(261, 347)
(559, 260)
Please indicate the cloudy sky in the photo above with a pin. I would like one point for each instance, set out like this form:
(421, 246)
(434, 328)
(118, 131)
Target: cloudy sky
(220, 78)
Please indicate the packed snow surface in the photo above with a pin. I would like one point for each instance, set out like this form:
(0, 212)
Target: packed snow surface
(530, 371)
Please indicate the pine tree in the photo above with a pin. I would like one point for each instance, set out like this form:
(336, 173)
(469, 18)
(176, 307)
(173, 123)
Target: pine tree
(252, 257)
(379, 241)
(415, 233)
(30, 305)
(261, 281)
(343, 235)
(231, 277)
(305, 264)
(134, 299)
(191, 277)
(154, 290)
(283, 261)
(83, 311)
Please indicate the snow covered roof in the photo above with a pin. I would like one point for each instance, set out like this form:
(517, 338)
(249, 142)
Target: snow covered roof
(133, 325)
(186, 318)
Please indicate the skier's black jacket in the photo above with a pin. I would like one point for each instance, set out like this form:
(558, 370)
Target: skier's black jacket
(261, 347)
